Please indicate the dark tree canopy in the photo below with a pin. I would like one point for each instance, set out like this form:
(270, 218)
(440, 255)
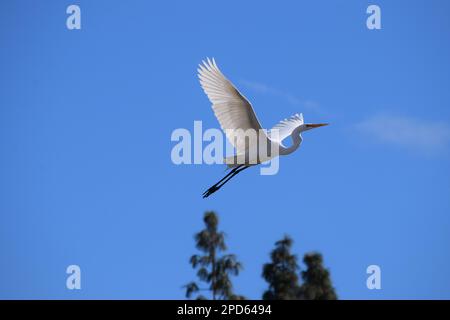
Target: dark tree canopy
(282, 276)
(281, 273)
(213, 268)
(316, 279)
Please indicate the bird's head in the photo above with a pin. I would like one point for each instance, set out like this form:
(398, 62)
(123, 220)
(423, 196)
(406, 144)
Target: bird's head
(309, 126)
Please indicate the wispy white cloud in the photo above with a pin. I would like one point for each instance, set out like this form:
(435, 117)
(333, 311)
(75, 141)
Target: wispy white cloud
(407, 132)
(287, 96)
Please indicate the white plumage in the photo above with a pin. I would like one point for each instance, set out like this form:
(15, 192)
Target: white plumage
(236, 115)
(230, 107)
(286, 126)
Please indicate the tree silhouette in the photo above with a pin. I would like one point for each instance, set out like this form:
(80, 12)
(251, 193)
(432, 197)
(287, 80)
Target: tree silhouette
(281, 273)
(316, 279)
(212, 268)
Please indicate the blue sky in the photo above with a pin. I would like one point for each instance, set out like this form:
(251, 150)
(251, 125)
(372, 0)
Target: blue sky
(86, 118)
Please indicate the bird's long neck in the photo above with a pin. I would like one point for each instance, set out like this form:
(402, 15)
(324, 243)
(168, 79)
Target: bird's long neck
(296, 141)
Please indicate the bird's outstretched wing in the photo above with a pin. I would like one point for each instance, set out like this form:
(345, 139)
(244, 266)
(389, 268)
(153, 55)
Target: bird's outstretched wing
(231, 108)
(286, 126)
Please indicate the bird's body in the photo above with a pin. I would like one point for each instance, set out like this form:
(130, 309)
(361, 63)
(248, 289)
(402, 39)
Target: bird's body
(253, 155)
(242, 128)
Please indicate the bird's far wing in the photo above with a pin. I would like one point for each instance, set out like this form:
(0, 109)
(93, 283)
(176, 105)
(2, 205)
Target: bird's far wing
(231, 108)
(286, 126)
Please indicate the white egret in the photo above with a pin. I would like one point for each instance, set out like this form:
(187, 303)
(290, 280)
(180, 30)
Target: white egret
(236, 115)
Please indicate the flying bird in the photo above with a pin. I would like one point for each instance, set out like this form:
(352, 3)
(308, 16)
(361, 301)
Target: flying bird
(234, 112)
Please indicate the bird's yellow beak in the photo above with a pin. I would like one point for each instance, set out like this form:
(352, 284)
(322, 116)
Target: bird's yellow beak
(316, 125)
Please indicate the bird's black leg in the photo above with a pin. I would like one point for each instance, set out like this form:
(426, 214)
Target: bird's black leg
(226, 176)
(217, 183)
(225, 179)
(217, 187)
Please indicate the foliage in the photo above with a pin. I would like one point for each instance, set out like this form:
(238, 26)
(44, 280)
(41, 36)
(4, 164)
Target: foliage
(316, 279)
(282, 275)
(213, 268)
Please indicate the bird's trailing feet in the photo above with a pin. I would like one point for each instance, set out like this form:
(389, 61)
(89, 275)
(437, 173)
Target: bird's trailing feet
(210, 191)
(224, 180)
